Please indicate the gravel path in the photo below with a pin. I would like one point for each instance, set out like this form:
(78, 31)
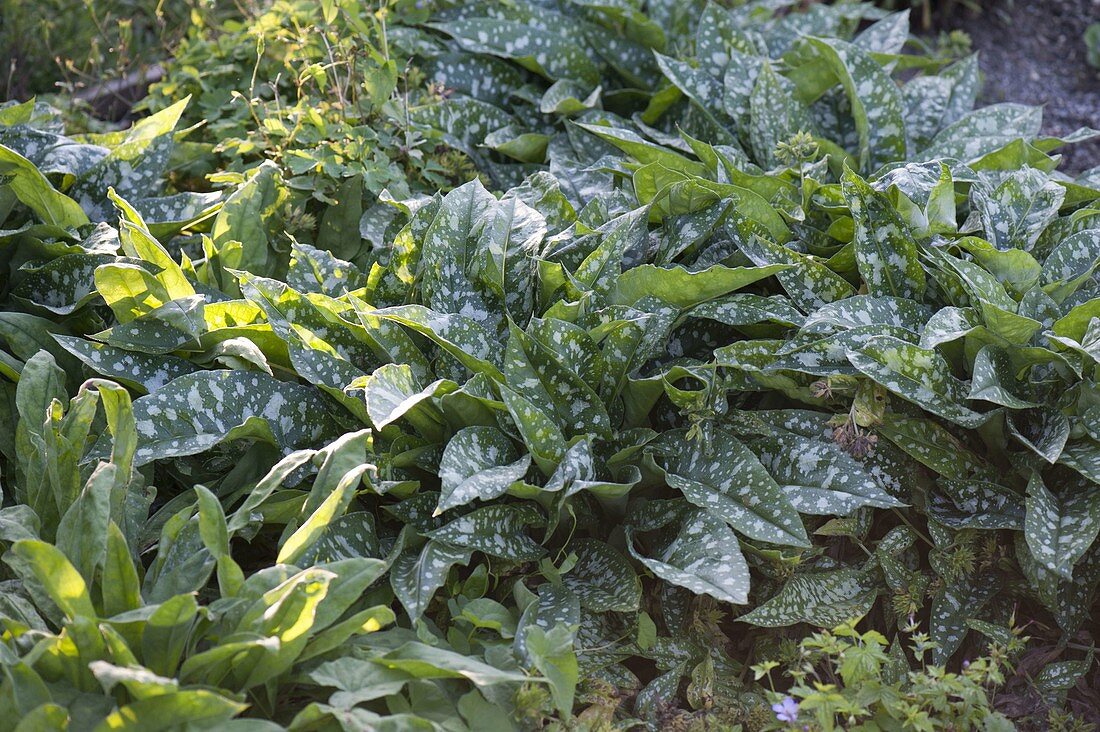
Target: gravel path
(1031, 51)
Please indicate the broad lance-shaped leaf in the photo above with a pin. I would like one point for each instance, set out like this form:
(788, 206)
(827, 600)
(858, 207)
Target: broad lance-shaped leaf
(547, 53)
(577, 472)
(975, 504)
(139, 371)
(35, 192)
(984, 130)
(555, 606)
(810, 353)
(451, 254)
(483, 77)
(1014, 214)
(418, 573)
(536, 428)
(245, 216)
(644, 151)
(817, 476)
(745, 309)
(825, 599)
(775, 116)
(875, 101)
(602, 579)
(701, 554)
(63, 285)
(683, 288)
(729, 482)
(134, 167)
(952, 608)
(458, 335)
(316, 270)
(478, 463)
(393, 392)
(1060, 529)
(865, 310)
(49, 567)
(701, 88)
(932, 445)
(808, 282)
(885, 251)
(197, 411)
(1043, 430)
(314, 527)
(201, 707)
(918, 375)
(496, 530)
(511, 239)
(137, 242)
(600, 270)
(323, 348)
(429, 662)
(539, 375)
(992, 379)
(1071, 264)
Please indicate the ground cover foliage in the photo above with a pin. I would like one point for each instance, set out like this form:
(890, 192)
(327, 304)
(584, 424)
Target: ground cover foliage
(748, 324)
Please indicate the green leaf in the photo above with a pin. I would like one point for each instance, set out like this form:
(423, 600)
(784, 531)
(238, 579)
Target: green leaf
(197, 411)
(683, 288)
(196, 706)
(602, 579)
(918, 375)
(427, 662)
(1042, 430)
(393, 392)
(121, 586)
(726, 479)
(952, 609)
(541, 376)
(332, 507)
(135, 165)
(35, 192)
(486, 613)
(874, 98)
(548, 54)
(53, 572)
(552, 654)
(167, 632)
(139, 371)
(418, 573)
(825, 599)
(809, 283)
(496, 530)
(817, 476)
(985, 130)
(975, 504)
(478, 463)
(458, 335)
(992, 379)
(246, 217)
(63, 285)
(775, 115)
(1060, 529)
(885, 251)
(698, 552)
(1015, 213)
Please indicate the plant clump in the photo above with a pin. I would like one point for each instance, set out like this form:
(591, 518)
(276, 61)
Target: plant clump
(550, 365)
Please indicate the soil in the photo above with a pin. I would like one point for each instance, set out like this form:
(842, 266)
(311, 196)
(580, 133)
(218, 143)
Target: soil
(1032, 52)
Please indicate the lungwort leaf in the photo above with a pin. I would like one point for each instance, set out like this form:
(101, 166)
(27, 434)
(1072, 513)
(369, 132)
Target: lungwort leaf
(197, 411)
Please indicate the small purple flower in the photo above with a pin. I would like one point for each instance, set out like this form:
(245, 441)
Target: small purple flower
(786, 710)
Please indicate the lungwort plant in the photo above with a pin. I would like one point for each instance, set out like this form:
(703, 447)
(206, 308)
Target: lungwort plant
(752, 322)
